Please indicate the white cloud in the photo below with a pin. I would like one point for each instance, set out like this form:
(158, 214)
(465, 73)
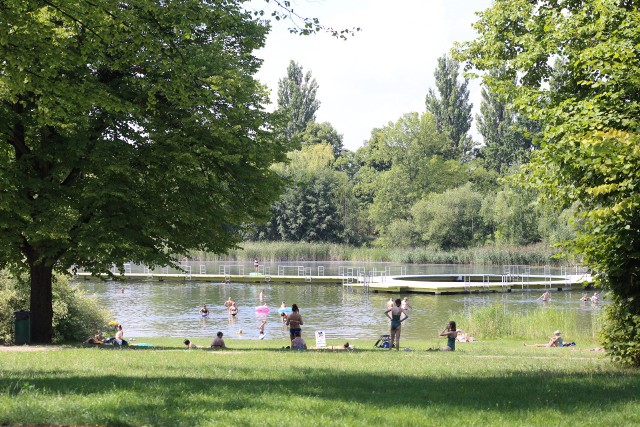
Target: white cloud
(382, 72)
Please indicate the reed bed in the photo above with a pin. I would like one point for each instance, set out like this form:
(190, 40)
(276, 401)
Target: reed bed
(497, 322)
(300, 251)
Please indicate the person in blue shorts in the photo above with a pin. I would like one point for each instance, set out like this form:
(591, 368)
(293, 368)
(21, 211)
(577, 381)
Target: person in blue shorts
(294, 321)
(204, 311)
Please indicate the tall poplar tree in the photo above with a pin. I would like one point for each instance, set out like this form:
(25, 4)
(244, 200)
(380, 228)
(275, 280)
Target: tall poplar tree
(451, 107)
(508, 136)
(297, 99)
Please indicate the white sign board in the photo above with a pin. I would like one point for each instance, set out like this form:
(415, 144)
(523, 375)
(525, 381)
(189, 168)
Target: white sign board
(321, 340)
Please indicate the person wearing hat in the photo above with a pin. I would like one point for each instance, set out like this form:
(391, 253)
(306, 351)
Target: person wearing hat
(554, 341)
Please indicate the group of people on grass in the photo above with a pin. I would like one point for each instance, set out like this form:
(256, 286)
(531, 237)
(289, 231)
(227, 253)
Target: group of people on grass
(117, 340)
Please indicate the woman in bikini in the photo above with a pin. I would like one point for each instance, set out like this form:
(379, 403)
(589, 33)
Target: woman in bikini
(396, 322)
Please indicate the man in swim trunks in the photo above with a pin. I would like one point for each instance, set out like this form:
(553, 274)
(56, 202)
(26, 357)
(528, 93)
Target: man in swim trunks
(294, 321)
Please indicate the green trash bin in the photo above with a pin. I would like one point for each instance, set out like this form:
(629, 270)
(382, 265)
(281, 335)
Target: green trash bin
(22, 326)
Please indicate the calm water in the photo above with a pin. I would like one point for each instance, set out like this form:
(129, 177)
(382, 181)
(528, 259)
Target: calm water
(171, 308)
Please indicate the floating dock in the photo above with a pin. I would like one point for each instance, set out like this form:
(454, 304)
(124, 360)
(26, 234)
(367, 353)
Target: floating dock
(439, 284)
(436, 284)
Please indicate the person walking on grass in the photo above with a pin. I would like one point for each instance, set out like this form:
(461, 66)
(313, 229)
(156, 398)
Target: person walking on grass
(396, 322)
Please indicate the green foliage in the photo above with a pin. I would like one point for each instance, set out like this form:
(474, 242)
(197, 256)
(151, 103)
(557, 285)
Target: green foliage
(409, 154)
(297, 99)
(450, 220)
(12, 298)
(621, 333)
(452, 109)
(589, 103)
(76, 316)
(128, 132)
(507, 136)
(513, 212)
(315, 206)
(322, 133)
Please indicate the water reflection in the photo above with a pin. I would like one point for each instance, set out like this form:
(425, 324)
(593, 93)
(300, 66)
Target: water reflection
(172, 309)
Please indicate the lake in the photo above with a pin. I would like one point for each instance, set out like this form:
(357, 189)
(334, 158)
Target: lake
(149, 309)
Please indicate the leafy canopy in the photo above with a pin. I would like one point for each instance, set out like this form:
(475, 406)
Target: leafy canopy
(574, 66)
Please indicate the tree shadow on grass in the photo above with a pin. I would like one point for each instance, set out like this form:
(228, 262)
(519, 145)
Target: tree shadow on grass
(513, 391)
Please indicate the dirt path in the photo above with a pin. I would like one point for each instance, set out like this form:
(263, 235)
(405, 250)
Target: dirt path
(17, 348)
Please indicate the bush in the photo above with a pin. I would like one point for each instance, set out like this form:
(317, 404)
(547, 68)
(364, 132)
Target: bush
(13, 296)
(621, 332)
(75, 316)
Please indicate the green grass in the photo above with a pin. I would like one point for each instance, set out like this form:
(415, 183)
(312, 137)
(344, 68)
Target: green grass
(258, 383)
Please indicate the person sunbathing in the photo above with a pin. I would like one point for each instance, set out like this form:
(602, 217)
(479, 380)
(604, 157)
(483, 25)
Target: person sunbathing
(554, 341)
(464, 337)
(189, 344)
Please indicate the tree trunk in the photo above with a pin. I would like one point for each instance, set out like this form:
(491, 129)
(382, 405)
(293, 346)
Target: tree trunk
(41, 303)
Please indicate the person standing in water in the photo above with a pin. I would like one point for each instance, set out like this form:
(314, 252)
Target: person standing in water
(233, 309)
(204, 311)
(405, 304)
(390, 304)
(545, 297)
(396, 318)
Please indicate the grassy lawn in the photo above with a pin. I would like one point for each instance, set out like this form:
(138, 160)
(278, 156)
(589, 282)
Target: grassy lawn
(258, 383)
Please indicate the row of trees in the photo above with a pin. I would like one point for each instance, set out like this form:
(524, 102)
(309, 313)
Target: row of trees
(419, 180)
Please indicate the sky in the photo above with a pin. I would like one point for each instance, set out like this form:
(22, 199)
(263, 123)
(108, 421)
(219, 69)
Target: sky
(381, 73)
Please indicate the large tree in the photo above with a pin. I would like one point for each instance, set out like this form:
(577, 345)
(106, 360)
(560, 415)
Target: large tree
(297, 99)
(129, 131)
(508, 136)
(451, 107)
(311, 208)
(590, 107)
